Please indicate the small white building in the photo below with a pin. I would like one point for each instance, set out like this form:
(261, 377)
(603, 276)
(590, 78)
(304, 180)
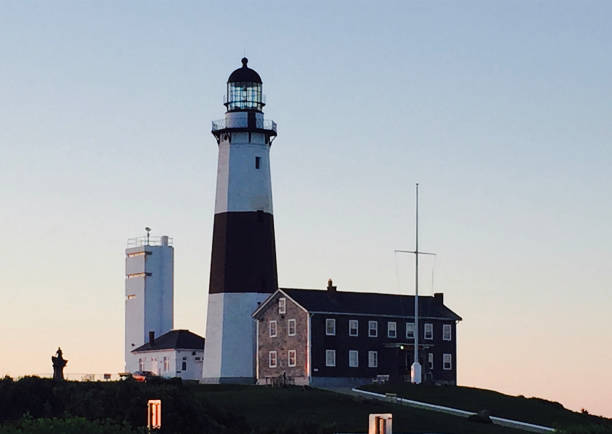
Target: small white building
(178, 353)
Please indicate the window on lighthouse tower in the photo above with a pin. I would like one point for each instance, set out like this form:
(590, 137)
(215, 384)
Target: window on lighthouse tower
(257, 162)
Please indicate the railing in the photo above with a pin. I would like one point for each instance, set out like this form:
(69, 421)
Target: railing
(150, 241)
(221, 125)
(69, 376)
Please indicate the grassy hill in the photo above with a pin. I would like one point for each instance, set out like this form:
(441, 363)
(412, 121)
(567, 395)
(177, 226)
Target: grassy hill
(219, 409)
(532, 410)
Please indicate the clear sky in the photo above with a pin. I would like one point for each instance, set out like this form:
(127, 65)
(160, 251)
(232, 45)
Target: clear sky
(501, 110)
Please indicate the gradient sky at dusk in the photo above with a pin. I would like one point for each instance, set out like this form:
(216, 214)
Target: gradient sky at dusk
(500, 110)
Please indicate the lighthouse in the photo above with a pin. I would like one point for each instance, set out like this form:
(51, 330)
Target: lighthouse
(243, 260)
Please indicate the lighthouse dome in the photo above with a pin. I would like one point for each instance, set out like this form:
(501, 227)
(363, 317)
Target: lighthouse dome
(244, 74)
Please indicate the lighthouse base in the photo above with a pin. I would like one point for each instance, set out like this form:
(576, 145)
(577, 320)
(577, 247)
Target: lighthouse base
(229, 349)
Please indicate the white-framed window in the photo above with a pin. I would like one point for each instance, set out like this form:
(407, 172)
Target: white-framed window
(330, 358)
(353, 327)
(291, 327)
(372, 359)
(291, 357)
(372, 329)
(447, 362)
(391, 329)
(272, 359)
(166, 364)
(282, 305)
(353, 359)
(330, 327)
(446, 332)
(140, 365)
(409, 330)
(430, 359)
(428, 331)
(272, 328)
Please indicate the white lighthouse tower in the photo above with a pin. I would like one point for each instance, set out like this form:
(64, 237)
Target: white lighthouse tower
(149, 293)
(243, 262)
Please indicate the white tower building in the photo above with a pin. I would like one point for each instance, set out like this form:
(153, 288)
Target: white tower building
(243, 261)
(149, 292)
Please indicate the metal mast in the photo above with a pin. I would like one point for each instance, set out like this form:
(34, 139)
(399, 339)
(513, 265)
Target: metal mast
(415, 371)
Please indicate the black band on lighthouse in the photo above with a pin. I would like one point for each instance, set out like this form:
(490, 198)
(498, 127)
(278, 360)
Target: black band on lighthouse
(243, 253)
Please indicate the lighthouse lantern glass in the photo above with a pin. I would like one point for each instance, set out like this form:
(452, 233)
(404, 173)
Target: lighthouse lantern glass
(244, 96)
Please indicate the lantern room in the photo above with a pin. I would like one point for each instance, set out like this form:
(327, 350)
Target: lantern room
(244, 89)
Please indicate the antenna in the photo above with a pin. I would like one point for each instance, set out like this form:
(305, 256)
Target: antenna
(148, 229)
(415, 369)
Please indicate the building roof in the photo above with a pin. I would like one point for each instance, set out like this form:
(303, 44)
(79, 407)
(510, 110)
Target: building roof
(174, 339)
(368, 303)
(244, 74)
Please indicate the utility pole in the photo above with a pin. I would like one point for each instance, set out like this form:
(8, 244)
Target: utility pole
(415, 369)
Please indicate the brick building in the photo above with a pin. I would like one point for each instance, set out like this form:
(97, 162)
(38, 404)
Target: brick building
(335, 337)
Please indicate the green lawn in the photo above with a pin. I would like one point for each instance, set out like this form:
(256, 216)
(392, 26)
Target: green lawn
(532, 410)
(231, 409)
(266, 407)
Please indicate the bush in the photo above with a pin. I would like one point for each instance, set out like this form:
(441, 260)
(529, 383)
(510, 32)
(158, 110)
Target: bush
(586, 429)
(73, 425)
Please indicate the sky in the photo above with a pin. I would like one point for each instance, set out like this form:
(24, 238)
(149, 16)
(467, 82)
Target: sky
(500, 110)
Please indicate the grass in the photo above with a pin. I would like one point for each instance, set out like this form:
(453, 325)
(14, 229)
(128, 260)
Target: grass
(532, 410)
(294, 409)
(34, 405)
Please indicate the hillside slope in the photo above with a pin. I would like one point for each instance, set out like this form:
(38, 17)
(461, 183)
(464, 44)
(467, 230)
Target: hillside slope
(532, 410)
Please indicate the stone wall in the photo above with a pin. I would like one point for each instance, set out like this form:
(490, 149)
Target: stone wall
(282, 343)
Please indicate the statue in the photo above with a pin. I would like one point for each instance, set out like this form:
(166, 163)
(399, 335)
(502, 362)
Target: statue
(58, 365)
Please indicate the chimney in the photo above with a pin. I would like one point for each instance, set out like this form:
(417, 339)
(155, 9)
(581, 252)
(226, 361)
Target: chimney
(151, 337)
(330, 286)
(439, 298)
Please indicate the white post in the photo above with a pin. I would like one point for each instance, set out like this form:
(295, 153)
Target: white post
(380, 423)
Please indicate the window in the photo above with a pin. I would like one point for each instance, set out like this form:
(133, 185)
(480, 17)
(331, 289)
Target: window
(447, 362)
(391, 329)
(372, 359)
(184, 364)
(257, 161)
(330, 358)
(409, 330)
(272, 359)
(140, 365)
(291, 358)
(428, 331)
(131, 296)
(131, 255)
(272, 329)
(330, 327)
(372, 329)
(166, 364)
(282, 305)
(446, 332)
(430, 360)
(291, 327)
(353, 327)
(134, 275)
